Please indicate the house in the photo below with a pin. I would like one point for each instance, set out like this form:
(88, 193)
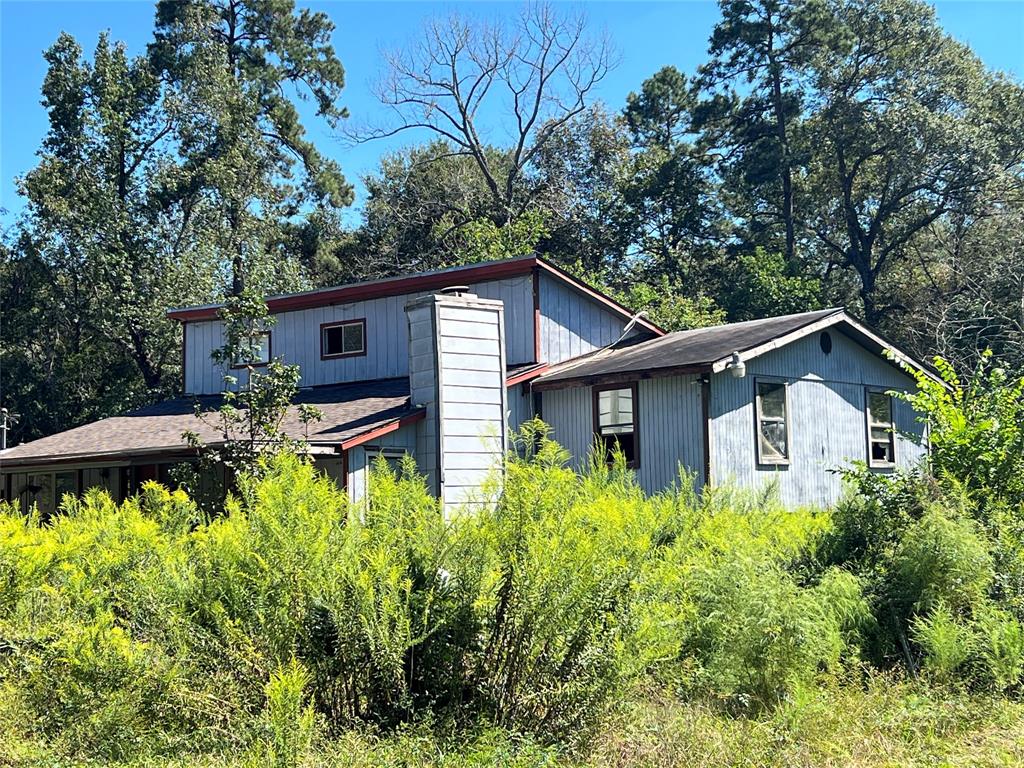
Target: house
(443, 365)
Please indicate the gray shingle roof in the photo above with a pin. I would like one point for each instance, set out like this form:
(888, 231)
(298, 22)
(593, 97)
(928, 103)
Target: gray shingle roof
(681, 351)
(349, 410)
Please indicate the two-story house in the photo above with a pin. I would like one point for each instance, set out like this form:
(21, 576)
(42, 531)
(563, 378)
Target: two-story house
(442, 365)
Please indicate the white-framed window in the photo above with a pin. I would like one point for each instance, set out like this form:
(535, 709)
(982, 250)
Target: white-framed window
(260, 353)
(771, 405)
(343, 339)
(615, 421)
(881, 428)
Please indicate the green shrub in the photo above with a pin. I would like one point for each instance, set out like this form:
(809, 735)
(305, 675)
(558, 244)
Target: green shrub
(946, 641)
(289, 720)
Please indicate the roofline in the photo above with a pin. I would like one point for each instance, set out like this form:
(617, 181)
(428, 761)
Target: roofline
(391, 426)
(394, 286)
(598, 379)
(837, 316)
(840, 315)
(529, 374)
(119, 456)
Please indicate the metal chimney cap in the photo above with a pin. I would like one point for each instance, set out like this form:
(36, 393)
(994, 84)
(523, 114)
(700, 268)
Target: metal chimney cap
(454, 290)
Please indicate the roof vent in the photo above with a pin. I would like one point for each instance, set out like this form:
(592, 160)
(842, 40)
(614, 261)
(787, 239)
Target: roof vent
(454, 290)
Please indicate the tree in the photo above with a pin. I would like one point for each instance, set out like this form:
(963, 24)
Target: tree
(416, 204)
(761, 47)
(908, 129)
(578, 176)
(100, 255)
(233, 64)
(669, 215)
(539, 73)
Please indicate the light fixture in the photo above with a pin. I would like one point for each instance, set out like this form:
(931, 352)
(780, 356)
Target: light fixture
(736, 366)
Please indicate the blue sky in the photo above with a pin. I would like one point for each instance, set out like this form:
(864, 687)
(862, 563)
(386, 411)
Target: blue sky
(648, 35)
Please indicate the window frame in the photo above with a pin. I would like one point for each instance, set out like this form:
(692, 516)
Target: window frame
(595, 396)
(890, 425)
(324, 327)
(767, 461)
(259, 363)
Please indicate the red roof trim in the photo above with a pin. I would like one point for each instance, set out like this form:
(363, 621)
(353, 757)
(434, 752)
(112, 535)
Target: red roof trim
(417, 283)
(392, 426)
(362, 292)
(528, 375)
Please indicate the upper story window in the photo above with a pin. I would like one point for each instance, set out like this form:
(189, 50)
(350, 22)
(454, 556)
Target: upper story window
(772, 405)
(615, 422)
(343, 339)
(881, 429)
(257, 355)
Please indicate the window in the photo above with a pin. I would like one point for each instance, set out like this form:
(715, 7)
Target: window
(345, 339)
(772, 422)
(260, 353)
(615, 422)
(881, 430)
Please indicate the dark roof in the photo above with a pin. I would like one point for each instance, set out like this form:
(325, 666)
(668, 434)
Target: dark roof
(424, 282)
(349, 410)
(683, 351)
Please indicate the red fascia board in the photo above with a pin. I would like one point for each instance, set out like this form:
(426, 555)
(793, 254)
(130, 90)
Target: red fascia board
(392, 426)
(528, 375)
(376, 290)
(598, 296)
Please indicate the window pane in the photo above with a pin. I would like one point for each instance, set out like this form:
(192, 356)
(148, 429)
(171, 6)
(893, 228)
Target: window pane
(773, 399)
(64, 482)
(881, 434)
(255, 352)
(773, 440)
(615, 409)
(333, 340)
(625, 443)
(40, 492)
(352, 337)
(881, 453)
(880, 406)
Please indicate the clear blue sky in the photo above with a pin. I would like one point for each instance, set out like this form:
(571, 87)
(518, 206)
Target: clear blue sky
(649, 35)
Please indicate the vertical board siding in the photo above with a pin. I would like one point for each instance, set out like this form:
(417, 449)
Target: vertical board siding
(826, 419)
(520, 406)
(296, 338)
(572, 324)
(671, 431)
(570, 414)
(670, 424)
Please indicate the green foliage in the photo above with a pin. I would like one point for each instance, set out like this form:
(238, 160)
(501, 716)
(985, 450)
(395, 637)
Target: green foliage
(976, 427)
(289, 720)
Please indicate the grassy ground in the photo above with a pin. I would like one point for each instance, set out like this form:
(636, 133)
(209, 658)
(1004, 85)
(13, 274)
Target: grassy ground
(882, 722)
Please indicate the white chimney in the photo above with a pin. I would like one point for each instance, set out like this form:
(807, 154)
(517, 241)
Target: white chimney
(457, 372)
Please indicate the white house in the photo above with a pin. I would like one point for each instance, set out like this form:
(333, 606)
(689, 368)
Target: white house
(442, 365)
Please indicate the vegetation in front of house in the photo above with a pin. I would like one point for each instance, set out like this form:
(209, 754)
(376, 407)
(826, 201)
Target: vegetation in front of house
(578, 621)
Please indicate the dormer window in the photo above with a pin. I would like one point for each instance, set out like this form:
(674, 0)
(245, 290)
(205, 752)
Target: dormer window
(343, 339)
(258, 354)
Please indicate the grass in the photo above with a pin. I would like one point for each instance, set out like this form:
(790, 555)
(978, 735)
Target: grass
(877, 721)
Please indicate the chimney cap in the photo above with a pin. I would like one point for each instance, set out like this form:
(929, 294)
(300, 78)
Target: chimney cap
(454, 290)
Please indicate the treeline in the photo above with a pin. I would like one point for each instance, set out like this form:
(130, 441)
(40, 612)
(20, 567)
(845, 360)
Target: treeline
(827, 152)
(274, 629)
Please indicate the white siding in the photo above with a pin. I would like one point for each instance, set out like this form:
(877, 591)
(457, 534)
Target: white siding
(295, 337)
(473, 400)
(670, 425)
(361, 457)
(572, 324)
(826, 420)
